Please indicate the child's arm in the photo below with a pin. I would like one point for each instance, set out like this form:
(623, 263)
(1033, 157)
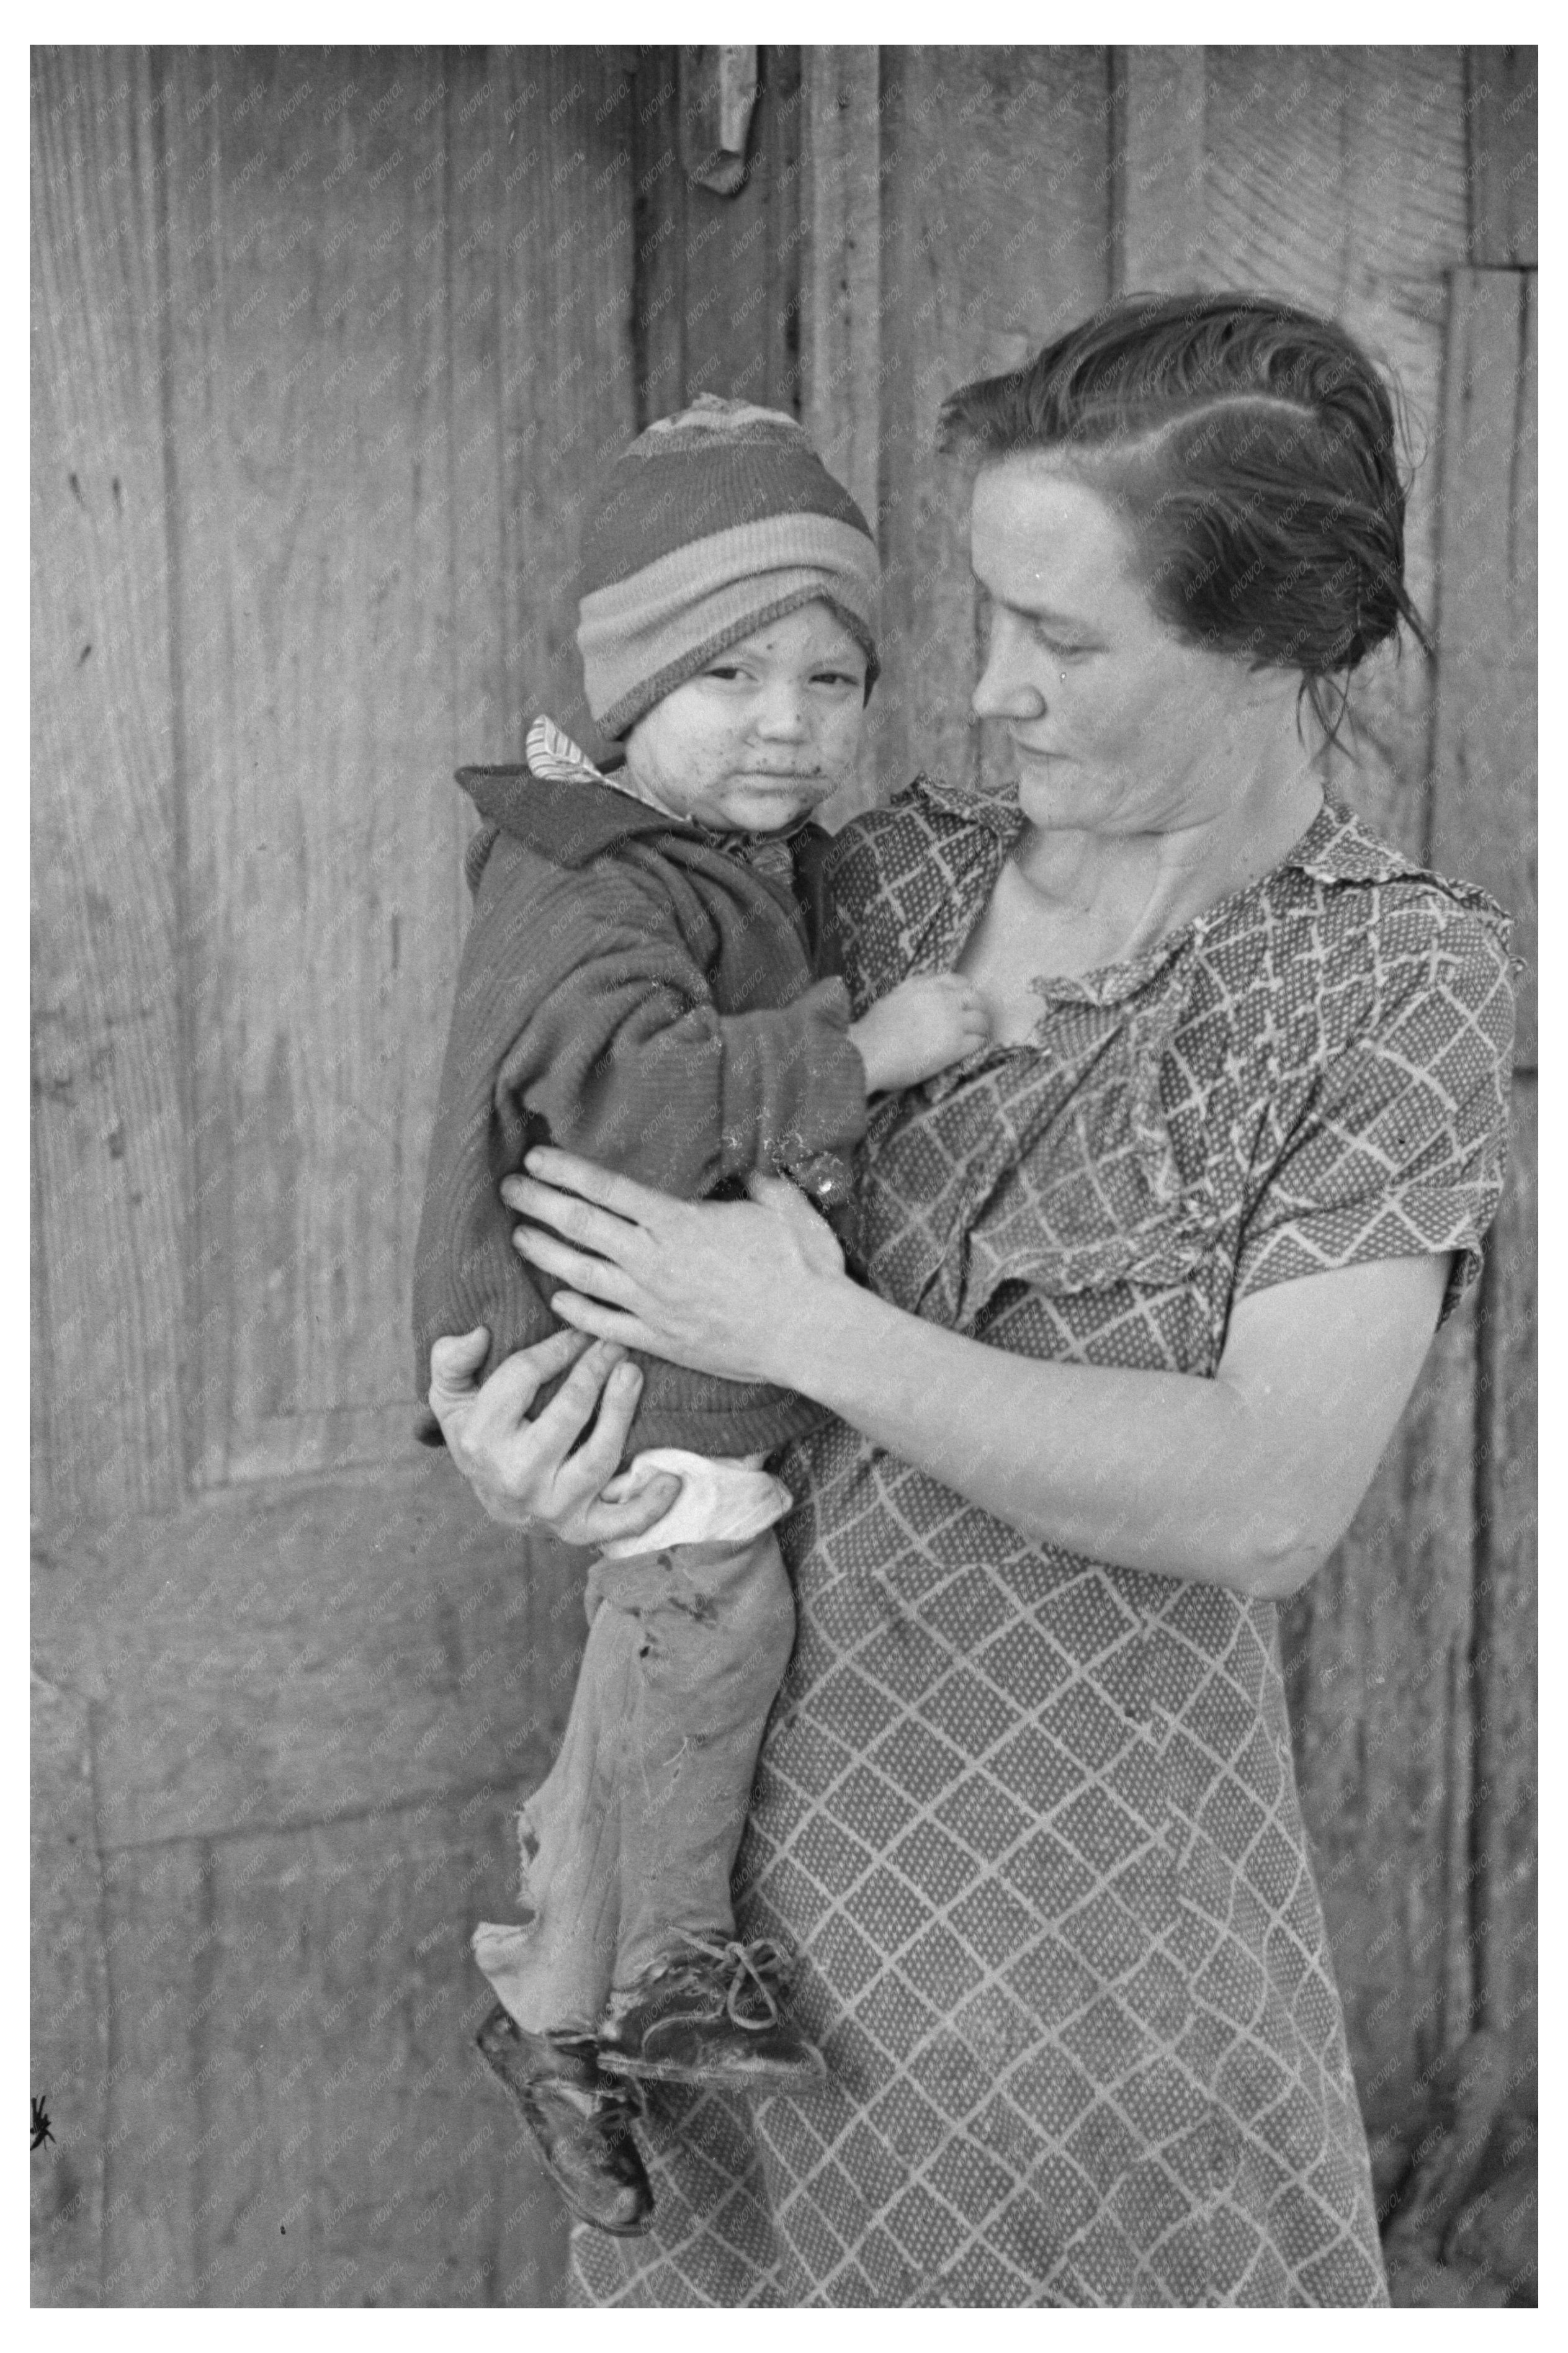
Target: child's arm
(627, 1058)
(919, 1028)
(581, 1019)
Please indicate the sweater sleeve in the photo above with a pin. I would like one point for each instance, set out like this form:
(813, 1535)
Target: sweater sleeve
(581, 1018)
(629, 1061)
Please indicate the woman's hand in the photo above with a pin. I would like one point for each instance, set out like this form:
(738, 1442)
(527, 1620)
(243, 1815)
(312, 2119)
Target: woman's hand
(722, 1286)
(525, 1472)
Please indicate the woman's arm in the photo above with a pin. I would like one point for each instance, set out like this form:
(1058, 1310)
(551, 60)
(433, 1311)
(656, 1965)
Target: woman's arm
(1245, 1481)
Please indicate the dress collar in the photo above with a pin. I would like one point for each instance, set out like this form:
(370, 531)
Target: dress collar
(1336, 848)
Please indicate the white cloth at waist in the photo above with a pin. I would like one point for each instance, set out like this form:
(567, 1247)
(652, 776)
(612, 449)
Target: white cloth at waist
(723, 1498)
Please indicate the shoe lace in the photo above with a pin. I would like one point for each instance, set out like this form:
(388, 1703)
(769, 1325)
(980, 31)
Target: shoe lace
(762, 1964)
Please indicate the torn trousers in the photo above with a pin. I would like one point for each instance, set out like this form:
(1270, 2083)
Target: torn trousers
(632, 1838)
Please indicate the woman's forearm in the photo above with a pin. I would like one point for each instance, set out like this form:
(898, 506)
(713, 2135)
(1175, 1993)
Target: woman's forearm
(1144, 1470)
(1246, 1479)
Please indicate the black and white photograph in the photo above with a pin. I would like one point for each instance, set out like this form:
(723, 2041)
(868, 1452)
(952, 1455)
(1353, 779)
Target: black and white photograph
(783, 1171)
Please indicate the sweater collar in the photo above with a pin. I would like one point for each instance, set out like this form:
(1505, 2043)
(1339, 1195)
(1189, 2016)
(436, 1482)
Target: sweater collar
(562, 806)
(570, 824)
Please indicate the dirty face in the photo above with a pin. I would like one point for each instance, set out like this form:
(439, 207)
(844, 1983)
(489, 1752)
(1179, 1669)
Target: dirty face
(762, 735)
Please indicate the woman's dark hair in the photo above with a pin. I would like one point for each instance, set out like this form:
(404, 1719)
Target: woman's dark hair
(1251, 445)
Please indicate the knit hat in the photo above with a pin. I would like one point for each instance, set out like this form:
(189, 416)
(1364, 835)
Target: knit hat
(711, 523)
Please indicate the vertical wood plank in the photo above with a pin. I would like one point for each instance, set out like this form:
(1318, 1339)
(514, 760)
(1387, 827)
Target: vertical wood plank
(783, 103)
(318, 1648)
(41, 1492)
(1377, 1651)
(69, 2057)
(658, 233)
(160, 1934)
(842, 297)
(1504, 1654)
(1500, 109)
(298, 2117)
(1484, 755)
(293, 2113)
(841, 302)
(741, 275)
(564, 208)
(355, 2155)
(1159, 164)
(459, 640)
(387, 386)
(996, 236)
(109, 1129)
(305, 310)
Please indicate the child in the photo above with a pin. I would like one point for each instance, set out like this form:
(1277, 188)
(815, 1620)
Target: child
(636, 985)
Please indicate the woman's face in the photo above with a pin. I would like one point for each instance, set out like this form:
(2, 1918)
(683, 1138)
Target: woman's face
(1117, 725)
(766, 731)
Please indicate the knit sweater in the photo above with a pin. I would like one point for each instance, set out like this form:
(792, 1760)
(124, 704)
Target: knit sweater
(630, 989)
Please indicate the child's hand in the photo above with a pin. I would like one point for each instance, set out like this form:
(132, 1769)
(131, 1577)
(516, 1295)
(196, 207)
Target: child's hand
(917, 1029)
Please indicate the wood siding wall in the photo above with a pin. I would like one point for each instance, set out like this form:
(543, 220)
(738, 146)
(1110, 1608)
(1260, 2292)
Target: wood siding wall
(326, 346)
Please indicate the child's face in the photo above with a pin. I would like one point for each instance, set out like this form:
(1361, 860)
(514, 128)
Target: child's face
(768, 730)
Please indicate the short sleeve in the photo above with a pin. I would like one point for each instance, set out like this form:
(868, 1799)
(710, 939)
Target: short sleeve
(1401, 1147)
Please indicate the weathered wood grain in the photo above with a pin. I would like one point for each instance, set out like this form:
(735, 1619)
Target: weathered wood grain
(160, 1934)
(40, 1361)
(560, 128)
(1376, 1651)
(297, 2116)
(740, 283)
(742, 258)
(659, 237)
(312, 1708)
(1504, 1656)
(1485, 750)
(305, 1445)
(1501, 108)
(321, 831)
(996, 236)
(841, 310)
(391, 386)
(842, 267)
(360, 2155)
(717, 290)
(1159, 164)
(109, 1121)
(291, 1652)
(68, 2069)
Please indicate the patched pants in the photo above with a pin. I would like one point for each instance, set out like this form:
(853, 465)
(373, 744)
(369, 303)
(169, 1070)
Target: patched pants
(633, 1836)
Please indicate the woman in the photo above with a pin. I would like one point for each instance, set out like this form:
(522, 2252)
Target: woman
(1149, 1280)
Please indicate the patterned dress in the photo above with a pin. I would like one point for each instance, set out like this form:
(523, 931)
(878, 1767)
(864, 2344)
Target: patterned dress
(1032, 1820)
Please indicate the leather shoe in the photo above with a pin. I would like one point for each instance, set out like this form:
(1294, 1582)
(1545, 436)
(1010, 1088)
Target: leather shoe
(710, 2014)
(581, 2124)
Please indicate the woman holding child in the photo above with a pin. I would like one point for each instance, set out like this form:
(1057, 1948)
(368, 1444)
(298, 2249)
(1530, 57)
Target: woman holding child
(1147, 1277)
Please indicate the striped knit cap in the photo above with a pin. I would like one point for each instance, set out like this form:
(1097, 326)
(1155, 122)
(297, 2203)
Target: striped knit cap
(714, 522)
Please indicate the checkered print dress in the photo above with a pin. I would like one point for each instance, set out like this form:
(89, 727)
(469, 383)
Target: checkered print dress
(1032, 1822)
